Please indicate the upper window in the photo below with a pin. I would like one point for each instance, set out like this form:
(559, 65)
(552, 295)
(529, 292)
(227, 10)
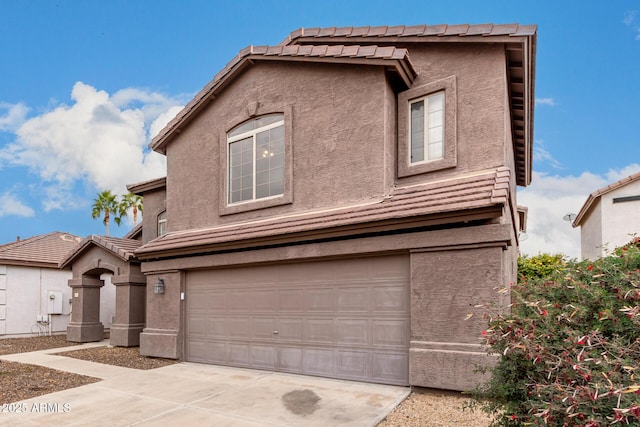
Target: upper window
(427, 128)
(256, 159)
(162, 223)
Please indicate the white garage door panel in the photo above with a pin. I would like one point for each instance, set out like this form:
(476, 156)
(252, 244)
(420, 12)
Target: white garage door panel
(342, 318)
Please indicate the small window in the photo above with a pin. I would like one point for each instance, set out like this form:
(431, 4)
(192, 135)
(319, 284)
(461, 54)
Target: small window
(162, 224)
(256, 159)
(427, 128)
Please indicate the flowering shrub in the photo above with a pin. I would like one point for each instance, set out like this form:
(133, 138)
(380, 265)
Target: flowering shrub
(570, 348)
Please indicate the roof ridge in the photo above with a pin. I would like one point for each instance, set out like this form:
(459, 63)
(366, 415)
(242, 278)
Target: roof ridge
(420, 30)
(28, 240)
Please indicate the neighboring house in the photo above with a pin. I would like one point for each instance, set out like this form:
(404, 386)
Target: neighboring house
(336, 205)
(610, 217)
(34, 296)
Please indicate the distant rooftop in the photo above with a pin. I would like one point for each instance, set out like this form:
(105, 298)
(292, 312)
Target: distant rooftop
(46, 250)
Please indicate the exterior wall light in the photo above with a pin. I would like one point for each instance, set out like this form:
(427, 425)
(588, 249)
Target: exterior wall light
(158, 287)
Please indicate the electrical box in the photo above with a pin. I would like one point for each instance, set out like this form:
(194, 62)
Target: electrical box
(54, 302)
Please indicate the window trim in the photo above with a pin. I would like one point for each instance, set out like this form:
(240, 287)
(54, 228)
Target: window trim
(253, 134)
(164, 220)
(405, 99)
(226, 208)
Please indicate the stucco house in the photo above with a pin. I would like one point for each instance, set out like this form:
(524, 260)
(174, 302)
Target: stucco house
(34, 296)
(336, 205)
(609, 217)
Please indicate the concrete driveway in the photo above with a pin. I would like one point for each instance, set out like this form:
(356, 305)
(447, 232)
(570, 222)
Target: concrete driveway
(199, 395)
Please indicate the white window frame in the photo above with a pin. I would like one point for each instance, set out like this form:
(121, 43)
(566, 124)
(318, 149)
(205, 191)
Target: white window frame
(161, 221)
(408, 169)
(252, 133)
(426, 127)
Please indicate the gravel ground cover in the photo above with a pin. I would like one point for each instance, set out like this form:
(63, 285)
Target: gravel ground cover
(19, 381)
(27, 344)
(435, 408)
(118, 356)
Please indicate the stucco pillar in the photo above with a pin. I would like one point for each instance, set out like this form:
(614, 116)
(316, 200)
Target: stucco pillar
(446, 284)
(162, 337)
(85, 325)
(130, 311)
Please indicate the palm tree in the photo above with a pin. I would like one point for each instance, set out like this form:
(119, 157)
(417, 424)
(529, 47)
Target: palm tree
(106, 202)
(131, 201)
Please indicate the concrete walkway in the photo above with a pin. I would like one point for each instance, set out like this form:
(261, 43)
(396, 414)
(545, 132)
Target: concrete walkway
(194, 394)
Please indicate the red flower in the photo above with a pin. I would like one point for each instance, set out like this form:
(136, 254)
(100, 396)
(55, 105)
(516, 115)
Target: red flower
(514, 417)
(544, 312)
(484, 333)
(590, 267)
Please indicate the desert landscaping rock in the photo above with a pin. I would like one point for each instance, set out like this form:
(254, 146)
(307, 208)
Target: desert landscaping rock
(118, 356)
(19, 381)
(27, 344)
(432, 408)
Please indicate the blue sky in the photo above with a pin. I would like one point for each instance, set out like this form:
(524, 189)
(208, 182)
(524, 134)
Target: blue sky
(137, 62)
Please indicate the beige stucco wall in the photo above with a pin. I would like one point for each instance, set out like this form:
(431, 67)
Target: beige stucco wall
(481, 102)
(338, 140)
(591, 233)
(609, 224)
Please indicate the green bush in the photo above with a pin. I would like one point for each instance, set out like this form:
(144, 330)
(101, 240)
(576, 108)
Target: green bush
(570, 348)
(539, 266)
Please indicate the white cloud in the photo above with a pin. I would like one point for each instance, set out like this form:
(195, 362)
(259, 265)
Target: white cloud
(540, 154)
(10, 205)
(99, 139)
(549, 198)
(629, 17)
(14, 117)
(630, 21)
(546, 101)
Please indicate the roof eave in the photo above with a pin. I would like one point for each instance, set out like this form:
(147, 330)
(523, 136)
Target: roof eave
(389, 225)
(26, 263)
(83, 246)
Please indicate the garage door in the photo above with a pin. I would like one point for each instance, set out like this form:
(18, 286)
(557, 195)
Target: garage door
(344, 319)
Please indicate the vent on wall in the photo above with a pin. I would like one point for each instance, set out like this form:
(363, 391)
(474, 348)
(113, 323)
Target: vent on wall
(626, 199)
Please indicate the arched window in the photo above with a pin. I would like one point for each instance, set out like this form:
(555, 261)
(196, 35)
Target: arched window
(256, 159)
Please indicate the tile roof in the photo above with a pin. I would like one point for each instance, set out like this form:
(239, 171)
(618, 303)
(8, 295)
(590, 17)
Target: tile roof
(593, 197)
(401, 31)
(485, 190)
(122, 248)
(396, 58)
(46, 250)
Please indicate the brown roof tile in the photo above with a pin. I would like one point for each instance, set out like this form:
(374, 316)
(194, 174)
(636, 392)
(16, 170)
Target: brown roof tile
(46, 250)
(483, 190)
(415, 30)
(122, 248)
